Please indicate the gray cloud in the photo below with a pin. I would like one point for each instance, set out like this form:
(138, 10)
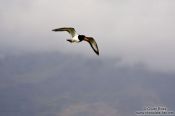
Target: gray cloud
(137, 31)
(57, 84)
(43, 75)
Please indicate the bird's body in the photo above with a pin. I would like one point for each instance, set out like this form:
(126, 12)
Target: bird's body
(76, 38)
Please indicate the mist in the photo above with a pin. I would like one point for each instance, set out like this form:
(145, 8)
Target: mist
(41, 74)
(56, 84)
(137, 31)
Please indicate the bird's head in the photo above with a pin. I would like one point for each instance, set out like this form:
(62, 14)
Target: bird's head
(81, 37)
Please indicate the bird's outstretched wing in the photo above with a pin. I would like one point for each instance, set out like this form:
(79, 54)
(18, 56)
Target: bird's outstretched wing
(70, 30)
(93, 44)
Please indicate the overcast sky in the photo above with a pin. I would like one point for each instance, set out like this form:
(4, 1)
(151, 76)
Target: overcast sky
(137, 31)
(55, 84)
(41, 74)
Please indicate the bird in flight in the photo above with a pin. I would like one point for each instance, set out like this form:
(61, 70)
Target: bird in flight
(76, 38)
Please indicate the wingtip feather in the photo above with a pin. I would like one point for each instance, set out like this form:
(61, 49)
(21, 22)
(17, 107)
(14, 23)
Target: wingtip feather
(97, 52)
(54, 29)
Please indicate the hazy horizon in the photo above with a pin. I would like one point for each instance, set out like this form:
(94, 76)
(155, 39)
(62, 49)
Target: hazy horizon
(41, 74)
(56, 84)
